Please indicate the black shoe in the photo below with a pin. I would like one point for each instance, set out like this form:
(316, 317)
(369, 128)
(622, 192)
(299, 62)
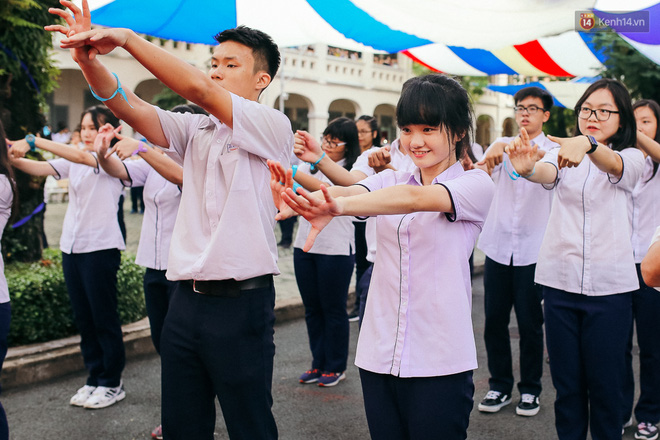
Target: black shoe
(354, 316)
(494, 401)
(528, 405)
(284, 244)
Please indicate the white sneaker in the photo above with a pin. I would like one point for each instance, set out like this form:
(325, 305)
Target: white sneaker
(104, 396)
(82, 395)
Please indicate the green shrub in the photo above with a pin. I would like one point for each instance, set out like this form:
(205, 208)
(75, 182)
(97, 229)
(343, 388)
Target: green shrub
(40, 305)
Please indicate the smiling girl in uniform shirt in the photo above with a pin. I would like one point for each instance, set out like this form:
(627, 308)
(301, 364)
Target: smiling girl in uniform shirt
(586, 264)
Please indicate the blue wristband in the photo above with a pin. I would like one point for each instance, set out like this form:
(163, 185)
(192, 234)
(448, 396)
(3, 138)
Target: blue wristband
(312, 166)
(119, 90)
(30, 140)
(296, 185)
(295, 170)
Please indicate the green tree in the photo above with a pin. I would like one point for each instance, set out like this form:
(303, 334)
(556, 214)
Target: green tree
(640, 75)
(27, 75)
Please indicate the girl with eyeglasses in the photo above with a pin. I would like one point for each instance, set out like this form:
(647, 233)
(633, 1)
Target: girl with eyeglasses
(646, 300)
(324, 273)
(586, 265)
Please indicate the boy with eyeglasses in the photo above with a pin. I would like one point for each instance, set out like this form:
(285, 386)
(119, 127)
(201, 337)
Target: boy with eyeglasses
(511, 239)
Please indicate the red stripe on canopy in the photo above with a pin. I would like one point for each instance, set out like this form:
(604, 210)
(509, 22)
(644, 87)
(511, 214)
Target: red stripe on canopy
(534, 53)
(417, 60)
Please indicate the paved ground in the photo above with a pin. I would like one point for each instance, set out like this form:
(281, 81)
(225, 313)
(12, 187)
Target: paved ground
(302, 412)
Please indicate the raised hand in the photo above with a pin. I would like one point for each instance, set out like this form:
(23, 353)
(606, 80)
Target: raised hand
(306, 148)
(522, 154)
(280, 179)
(318, 212)
(125, 148)
(494, 156)
(84, 42)
(379, 159)
(572, 150)
(17, 149)
(102, 141)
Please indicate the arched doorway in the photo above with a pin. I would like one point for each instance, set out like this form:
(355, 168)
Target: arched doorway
(342, 107)
(386, 116)
(297, 109)
(509, 128)
(484, 135)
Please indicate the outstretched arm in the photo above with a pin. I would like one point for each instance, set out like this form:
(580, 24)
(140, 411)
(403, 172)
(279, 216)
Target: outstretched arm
(399, 199)
(574, 149)
(651, 265)
(307, 149)
(648, 145)
(184, 79)
(165, 166)
(110, 163)
(72, 154)
(34, 167)
(523, 157)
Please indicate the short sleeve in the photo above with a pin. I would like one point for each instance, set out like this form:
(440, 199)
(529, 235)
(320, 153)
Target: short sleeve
(362, 163)
(261, 130)
(471, 194)
(137, 170)
(377, 181)
(633, 168)
(61, 167)
(552, 157)
(179, 128)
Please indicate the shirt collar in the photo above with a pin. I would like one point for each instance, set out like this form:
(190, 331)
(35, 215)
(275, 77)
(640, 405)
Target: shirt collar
(450, 173)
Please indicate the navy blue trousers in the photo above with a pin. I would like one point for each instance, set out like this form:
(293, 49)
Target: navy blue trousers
(361, 262)
(646, 314)
(417, 408)
(586, 338)
(218, 347)
(507, 286)
(323, 282)
(5, 319)
(91, 280)
(157, 295)
(363, 289)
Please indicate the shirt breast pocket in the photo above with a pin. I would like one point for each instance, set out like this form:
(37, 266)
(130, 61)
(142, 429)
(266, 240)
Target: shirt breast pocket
(234, 169)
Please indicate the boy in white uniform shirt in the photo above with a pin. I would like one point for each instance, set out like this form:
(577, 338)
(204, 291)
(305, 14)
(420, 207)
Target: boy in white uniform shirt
(218, 339)
(511, 239)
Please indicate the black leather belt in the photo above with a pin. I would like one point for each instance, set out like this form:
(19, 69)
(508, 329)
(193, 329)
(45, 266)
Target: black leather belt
(230, 288)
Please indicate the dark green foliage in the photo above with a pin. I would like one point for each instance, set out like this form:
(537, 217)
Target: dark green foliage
(40, 303)
(640, 75)
(166, 99)
(561, 122)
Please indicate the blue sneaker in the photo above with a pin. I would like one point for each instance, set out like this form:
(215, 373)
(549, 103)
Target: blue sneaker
(331, 379)
(310, 376)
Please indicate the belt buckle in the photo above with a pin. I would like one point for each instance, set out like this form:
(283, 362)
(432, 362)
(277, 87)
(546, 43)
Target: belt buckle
(194, 286)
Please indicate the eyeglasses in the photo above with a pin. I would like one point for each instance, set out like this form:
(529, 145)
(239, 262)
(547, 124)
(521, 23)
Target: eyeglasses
(532, 109)
(365, 132)
(601, 113)
(331, 144)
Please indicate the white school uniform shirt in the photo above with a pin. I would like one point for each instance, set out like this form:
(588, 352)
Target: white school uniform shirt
(90, 222)
(224, 227)
(417, 320)
(645, 211)
(161, 204)
(586, 248)
(6, 198)
(655, 239)
(518, 215)
(338, 237)
(401, 162)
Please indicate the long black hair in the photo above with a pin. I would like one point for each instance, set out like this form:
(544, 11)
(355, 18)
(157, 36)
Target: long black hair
(7, 170)
(626, 135)
(345, 130)
(655, 108)
(437, 100)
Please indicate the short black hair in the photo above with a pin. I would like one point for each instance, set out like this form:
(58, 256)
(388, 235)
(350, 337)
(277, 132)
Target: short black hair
(264, 50)
(373, 125)
(439, 101)
(655, 108)
(189, 108)
(536, 92)
(345, 130)
(626, 135)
